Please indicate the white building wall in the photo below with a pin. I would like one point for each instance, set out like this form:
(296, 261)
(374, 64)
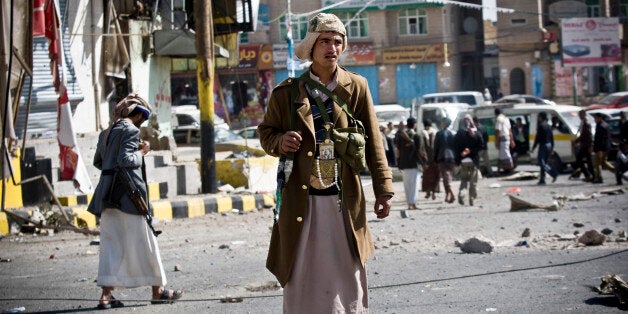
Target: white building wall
(85, 20)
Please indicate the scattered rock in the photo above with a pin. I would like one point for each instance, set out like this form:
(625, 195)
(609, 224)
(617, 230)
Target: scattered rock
(5, 260)
(565, 237)
(522, 243)
(95, 242)
(578, 225)
(577, 232)
(526, 233)
(621, 234)
(617, 220)
(477, 244)
(223, 246)
(52, 256)
(555, 220)
(230, 299)
(592, 237)
(177, 267)
(607, 231)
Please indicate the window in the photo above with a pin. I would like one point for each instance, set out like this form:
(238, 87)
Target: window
(358, 27)
(593, 10)
(299, 28)
(412, 22)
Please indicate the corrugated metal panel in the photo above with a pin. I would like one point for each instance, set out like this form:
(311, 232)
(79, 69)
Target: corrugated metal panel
(42, 121)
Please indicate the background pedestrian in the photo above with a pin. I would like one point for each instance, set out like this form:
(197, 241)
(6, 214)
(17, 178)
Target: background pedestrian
(468, 144)
(601, 146)
(444, 147)
(408, 145)
(429, 183)
(545, 140)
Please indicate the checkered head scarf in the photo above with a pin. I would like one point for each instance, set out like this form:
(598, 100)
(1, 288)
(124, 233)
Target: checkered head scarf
(320, 23)
(130, 103)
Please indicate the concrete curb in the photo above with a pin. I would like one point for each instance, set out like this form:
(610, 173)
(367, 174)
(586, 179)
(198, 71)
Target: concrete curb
(175, 209)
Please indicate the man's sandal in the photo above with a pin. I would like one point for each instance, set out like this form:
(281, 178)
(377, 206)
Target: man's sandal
(168, 296)
(111, 303)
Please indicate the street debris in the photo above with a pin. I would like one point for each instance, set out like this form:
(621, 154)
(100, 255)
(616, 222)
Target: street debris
(514, 190)
(614, 285)
(607, 231)
(177, 267)
(5, 260)
(263, 287)
(476, 244)
(592, 237)
(404, 213)
(14, 310)
(578, 225)
(526, 233)
(584, 197)
(229, 299)
(518, 204)
(519, 176)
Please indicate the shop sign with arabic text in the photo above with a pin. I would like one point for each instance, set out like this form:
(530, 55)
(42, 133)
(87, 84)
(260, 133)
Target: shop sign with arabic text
(416, 53)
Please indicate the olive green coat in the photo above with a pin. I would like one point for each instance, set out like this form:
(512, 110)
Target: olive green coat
(353, 90)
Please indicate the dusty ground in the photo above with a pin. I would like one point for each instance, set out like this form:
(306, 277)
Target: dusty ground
(219, 255)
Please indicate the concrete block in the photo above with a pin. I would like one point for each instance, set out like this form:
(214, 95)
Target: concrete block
(188, 179)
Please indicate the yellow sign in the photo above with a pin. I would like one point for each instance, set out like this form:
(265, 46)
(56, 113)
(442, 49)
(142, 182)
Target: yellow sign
(416, 53)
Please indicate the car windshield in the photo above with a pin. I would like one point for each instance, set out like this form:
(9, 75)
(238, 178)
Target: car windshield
(573, 120)
(608, 99)
(222, 135)
(392, 116)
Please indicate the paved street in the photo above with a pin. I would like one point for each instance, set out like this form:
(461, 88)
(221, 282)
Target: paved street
(416, 267)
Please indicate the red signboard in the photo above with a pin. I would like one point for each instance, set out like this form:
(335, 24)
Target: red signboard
(358, 54)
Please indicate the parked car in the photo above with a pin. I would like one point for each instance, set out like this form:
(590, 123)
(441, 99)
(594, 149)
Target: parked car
(391, 113)
(468, 97)
(613, 100)
(186, 123)
(523, 99)
(611, 116)
(248, 132)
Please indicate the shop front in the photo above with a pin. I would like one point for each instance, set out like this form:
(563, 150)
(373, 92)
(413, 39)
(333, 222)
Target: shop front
(415, 70)
(242, 92)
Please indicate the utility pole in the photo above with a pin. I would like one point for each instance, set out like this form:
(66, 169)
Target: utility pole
(205, 77)
(290, 41)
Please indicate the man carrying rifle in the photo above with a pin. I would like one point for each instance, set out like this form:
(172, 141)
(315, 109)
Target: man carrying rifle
(129, 254)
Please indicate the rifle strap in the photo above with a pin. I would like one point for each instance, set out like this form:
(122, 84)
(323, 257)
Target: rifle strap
(294, 92)
(314, 84)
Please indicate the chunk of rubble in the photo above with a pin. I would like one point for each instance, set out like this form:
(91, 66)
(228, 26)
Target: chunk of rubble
(476, 244)
(592, 237)
(518, 204)
(614, 285)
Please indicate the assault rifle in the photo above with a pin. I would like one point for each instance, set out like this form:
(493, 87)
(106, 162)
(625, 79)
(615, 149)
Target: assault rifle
(135, 194)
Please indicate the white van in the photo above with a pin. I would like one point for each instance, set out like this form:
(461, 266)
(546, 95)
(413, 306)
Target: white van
(565, 127)
(436, 112)
(468, 97)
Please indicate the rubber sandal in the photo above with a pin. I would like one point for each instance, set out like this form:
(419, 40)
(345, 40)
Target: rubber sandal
(168, 296)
